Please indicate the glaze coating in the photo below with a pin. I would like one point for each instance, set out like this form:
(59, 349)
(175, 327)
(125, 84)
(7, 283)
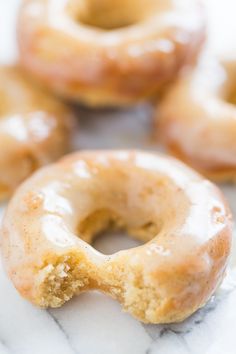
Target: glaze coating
(109, 52)
(34, 128)
(53, 217)
(196, 120)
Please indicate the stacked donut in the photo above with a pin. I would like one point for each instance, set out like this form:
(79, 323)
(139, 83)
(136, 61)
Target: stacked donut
(116, 53)
(196, 120)
(34, 128)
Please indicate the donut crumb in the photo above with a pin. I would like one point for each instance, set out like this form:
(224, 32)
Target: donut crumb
(58, 282)
(62, 277)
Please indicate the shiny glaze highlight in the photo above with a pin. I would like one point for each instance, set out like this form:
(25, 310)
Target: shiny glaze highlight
(182, 218)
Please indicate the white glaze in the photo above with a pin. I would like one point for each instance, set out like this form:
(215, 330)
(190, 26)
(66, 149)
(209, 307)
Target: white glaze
(191, 241)
(109, 67)
(196, 117)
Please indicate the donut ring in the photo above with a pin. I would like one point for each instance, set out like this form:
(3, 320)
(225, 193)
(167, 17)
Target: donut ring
(197, 119)
(34, 129)
(105, 52)
(182, 218)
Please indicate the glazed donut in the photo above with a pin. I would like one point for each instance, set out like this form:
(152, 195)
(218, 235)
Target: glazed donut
(106, 52)
(197, 119)
(54, 216)
(34, 129)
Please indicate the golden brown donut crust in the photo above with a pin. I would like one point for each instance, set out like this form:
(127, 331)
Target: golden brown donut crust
(103, 65)
(183, 218)
(196, 120)
(34, 128)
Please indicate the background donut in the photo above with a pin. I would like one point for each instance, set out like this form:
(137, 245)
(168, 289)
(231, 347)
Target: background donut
(104, 53)
(196, 120)
(35, 128)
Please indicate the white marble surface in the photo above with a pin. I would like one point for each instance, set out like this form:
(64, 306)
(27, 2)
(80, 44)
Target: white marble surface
(92, 323)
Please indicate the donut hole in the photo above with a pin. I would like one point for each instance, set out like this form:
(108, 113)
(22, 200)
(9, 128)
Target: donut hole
(111, 15)
(5, 104)
(109, 232)
(229, 86)
(232, 96)
(230, 90)
(112, 241)
(25, 165)
(4, 191)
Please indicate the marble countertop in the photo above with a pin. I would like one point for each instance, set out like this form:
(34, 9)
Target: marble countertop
(93, 323)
